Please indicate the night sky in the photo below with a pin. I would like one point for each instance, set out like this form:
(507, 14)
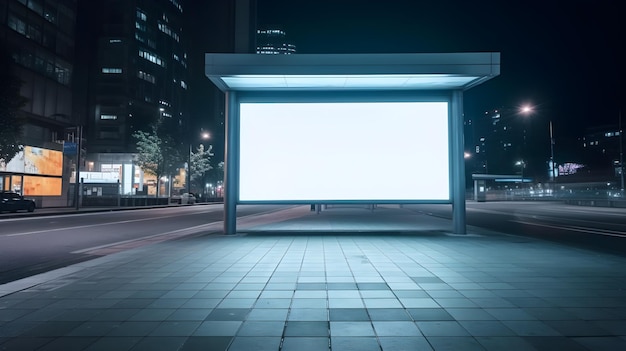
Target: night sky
(564, 57)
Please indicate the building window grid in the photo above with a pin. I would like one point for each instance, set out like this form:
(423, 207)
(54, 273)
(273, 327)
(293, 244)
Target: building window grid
(47, 66)
(167, 30)
(151, 57)
(146, 76)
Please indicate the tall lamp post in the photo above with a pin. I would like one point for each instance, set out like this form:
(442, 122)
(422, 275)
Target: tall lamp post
(621, 155)
(203, 136)
(525, 110)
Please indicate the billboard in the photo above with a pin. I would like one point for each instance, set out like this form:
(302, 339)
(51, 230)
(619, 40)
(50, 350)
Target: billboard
(43, 161)
(344, 151)
(35, 160)
(42, 186)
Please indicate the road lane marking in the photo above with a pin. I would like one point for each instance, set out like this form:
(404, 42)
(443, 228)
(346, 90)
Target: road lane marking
(83, 226)
(94, 225)
(173, 233)
(605, 232)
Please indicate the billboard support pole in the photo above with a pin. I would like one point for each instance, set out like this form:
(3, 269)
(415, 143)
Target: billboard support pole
(458, 163)
(231, 163)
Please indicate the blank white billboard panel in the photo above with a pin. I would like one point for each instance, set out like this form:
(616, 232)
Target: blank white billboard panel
(356, 151)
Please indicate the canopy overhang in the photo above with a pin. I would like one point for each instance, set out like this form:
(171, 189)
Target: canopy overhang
(354, 72)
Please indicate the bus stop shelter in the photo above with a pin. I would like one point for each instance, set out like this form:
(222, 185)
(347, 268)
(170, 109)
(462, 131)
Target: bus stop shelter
(323, 128)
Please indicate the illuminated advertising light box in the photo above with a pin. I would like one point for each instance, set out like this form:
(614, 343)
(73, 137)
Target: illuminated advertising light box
(344, 151)
(42, 186)
(43, 161)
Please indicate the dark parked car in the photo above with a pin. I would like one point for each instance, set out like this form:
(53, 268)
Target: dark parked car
(13, 202)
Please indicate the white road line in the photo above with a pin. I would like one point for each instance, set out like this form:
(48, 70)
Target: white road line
(88, 226)
(604, 232)
(183, 231)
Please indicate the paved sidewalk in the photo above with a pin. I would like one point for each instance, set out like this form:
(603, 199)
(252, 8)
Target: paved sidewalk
(349, 286)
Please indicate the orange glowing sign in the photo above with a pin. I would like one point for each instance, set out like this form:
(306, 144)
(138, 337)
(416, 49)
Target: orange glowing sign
(43, 161)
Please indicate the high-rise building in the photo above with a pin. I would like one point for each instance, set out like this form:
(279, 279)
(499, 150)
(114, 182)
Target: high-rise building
(136, 70)
(40, 37)
(134, 73)
(273, 41)
(496, 140)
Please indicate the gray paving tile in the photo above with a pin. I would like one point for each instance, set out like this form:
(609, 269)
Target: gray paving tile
(310, 294)
(268, 314)
(262, 328)
(24, 344)
(372, 286)
(256, 343)
(396, 328)
(509, 343)
(470, 314)
(345, 303)
(442, 328)
(351, 328)
(388, 314)
(348, 314)
(486, 328)
(305, 343)
(531, 328)
(341, 286)
(405, 343)
(354, 343)
(189, 314)
(159, 344)
(175, 328)
(93, 329)
(548, 343)
(382, 303)
(113, 343)
(228, 314)
(217, 328)
(577, 328)
(454, 343)
(308, 303)
(152, 314)
(53, 329)
(69, 344)
(272, 303)
(307, 328)
(134, 329)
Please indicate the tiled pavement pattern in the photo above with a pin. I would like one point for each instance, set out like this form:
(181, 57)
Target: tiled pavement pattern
(345, 291)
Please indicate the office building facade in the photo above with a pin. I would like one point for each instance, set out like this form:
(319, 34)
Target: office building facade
(39, 36)
(134, 70)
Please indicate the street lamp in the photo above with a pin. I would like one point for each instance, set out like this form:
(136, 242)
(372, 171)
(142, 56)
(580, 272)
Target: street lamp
(204, 136)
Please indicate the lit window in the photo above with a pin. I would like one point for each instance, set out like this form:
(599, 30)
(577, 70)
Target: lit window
(111, 70)
(113, 41)
(141, 15)
(108, 117)
(146, 76)
(151, 57)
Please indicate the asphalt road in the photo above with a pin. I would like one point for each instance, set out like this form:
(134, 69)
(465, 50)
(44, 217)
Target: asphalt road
(597, 228)
(32, 244)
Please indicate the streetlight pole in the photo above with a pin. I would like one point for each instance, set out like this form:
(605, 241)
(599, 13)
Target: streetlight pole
(189, 170)
(204, 136)
(621, 155)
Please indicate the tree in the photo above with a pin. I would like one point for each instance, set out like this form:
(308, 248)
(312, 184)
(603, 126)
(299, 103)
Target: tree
(200, 164)
(11, 122)
(156, 155)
